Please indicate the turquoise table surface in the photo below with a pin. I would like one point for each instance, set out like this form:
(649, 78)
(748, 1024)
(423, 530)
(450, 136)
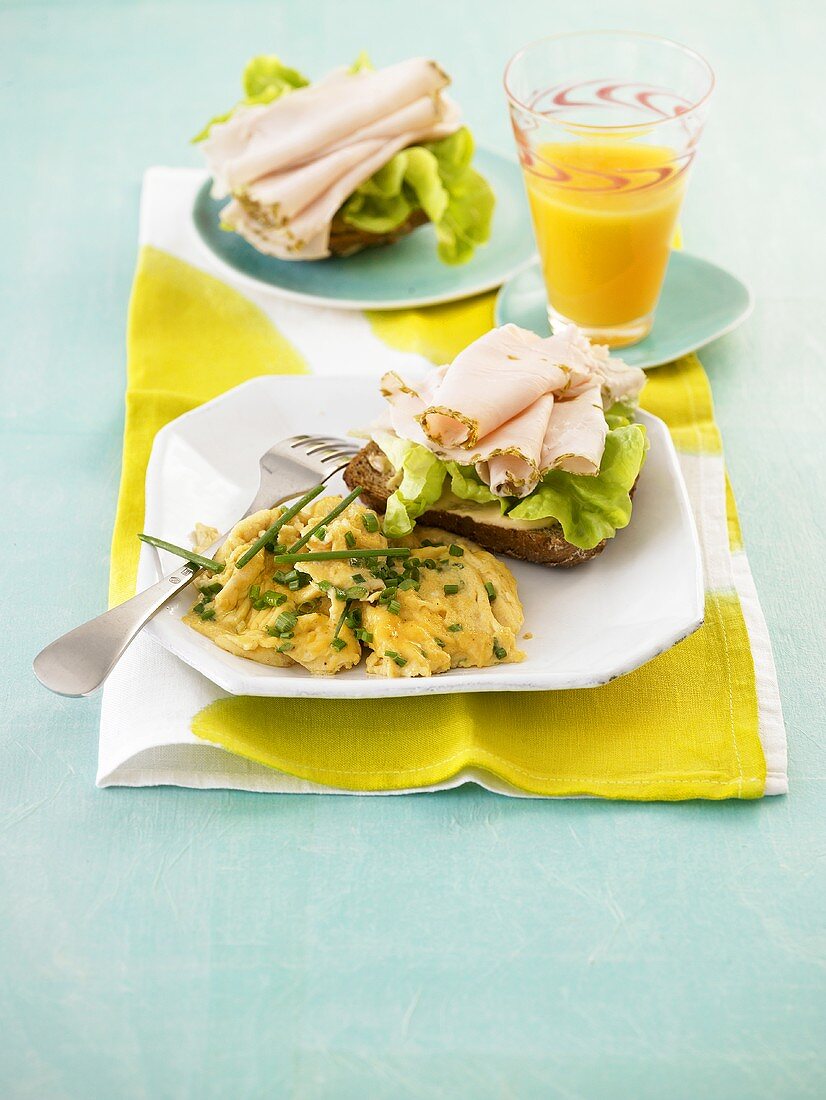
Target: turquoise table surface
(169, 943)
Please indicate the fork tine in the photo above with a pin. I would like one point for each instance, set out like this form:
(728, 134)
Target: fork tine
(344, 455)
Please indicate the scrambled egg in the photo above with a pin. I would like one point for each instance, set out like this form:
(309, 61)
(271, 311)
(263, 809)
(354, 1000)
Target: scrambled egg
(449, 605)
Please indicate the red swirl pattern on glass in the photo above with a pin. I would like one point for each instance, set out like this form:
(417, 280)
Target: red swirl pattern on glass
(638, 104)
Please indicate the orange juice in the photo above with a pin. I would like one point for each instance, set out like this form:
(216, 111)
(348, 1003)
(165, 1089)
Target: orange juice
(604, 216)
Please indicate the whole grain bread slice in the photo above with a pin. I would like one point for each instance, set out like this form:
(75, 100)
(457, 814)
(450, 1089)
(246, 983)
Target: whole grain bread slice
(346, 240)
(544, 545)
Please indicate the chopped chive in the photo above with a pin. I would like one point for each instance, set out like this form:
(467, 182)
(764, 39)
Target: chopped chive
(254, 592)
(358, 578)
(363, 635)
(338, 555)
(284, 647)
(455, 551)
(325, 586)
(261, 542)
(339, 508)
(210, 590)
(440, 642)
(273, 599)
(491, 591)
(321, 534)
(400, 661)
(430, 542)
(208, 614)
(190, 555)
(394, 607)
(350, 539)
(429, 563)
(199, 608)
(370, 521)
(407, 584)
(286, 621)
(451, 589)
(455, 627)
(356, 592)
(338, 644)
(499, 651)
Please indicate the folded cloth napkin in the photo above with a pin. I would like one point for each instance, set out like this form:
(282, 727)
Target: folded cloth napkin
(700, 721)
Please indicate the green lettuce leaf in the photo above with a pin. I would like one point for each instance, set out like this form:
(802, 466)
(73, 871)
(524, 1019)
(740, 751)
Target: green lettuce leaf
(265, 79)
(591, 509)
(620, 414)
(423, 475)
(465, 484)
(436, 178)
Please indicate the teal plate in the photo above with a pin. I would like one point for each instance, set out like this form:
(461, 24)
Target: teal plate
(407, 273)
(699, 302)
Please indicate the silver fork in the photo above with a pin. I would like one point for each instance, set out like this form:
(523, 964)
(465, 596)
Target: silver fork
(78, 662)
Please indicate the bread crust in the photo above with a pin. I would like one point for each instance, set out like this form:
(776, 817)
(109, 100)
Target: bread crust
(544, 546)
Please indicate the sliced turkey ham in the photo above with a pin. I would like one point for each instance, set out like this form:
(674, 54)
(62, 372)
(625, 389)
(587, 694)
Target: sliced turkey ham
(575, 434)
(292, 163)
(515, 405)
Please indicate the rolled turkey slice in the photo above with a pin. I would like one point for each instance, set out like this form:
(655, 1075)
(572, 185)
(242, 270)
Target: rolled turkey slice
(575, 435)
(496, 377)
(259, 140)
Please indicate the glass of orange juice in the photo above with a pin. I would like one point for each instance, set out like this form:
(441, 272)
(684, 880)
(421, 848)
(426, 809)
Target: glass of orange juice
(607, 126)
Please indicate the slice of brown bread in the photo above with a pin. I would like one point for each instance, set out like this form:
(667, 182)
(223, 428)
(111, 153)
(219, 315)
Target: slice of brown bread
(545, 545)
(346, 240)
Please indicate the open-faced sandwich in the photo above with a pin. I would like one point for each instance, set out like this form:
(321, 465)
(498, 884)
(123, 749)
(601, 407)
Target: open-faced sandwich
(359, 158)
(317, 584)
(527, 445)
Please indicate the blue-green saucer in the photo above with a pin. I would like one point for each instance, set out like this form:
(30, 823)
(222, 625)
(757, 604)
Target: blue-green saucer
(699, 302)
(407, 273)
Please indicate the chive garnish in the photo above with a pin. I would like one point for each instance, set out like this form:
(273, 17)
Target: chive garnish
(284, 647)
(348, 555)
(273, 599)
(499, 651)
(407, 584)
(199, 608)
(394, 607)
(254, 592)
(451, 589)
(339, 508)
(455, 627)
(356, 592)
(261, 542)
(210, 590)
(358, 578)
(208, 614)
(370, 521)
(455, 551)
(190, 555)
(491, 591)
(397, 657)
(339, 643)
(440, 642)
(285, 622)
(350, 539)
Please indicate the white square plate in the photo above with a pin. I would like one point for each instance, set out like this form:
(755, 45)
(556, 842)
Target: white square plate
(590, 624)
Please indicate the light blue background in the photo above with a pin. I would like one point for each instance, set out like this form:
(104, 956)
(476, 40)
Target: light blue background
(166, 943)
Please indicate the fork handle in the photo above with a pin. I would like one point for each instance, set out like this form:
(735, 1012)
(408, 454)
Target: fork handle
(78, 662)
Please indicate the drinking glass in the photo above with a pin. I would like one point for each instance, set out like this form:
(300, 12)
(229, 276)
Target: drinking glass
(607, 125)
